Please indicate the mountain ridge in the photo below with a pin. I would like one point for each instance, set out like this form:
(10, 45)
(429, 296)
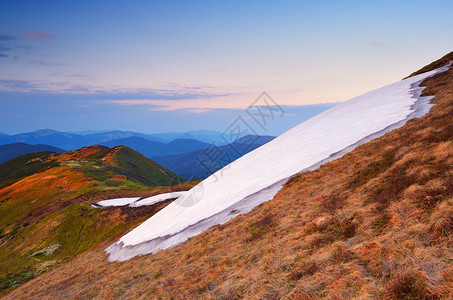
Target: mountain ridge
(73, 141)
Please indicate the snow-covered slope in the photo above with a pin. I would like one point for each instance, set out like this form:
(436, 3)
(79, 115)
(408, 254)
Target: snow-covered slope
(259, 175)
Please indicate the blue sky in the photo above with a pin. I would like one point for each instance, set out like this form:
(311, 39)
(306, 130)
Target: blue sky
(159, 66)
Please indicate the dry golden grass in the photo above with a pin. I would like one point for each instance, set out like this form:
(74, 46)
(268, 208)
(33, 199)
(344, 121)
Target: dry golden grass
(376, 223)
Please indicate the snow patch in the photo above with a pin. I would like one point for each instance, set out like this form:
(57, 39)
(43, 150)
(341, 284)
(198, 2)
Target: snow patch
(117, 201)
(157, 198)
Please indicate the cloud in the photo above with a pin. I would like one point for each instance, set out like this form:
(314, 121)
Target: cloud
(4, 48)
(37, 35)
(159, 99)
(73, 75)
(46, 63)
(199, 110)
(174, 85)
(376, 44)
(215, 102)
(9, 48)
(6, 38)
(194, 104)
(17, 85)
(5, 41)
(26, 47)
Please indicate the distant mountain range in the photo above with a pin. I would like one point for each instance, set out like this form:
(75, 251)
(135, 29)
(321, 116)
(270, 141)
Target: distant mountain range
(201, 163)
(152, 148)
(187, 154)
(182, 153)
(117, 134)
(13, 150)
(206, 136)
(63, 140)
(72, 141)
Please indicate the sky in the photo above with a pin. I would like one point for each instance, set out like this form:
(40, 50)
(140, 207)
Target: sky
(159, 66)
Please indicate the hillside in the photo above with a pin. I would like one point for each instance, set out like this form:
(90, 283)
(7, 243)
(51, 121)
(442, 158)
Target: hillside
(45, 212)
(125, 161)
(375, 223)
(199, 164)
(10, 151)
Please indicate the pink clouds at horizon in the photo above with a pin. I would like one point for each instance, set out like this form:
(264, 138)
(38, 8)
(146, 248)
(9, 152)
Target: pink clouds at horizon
(39, 35)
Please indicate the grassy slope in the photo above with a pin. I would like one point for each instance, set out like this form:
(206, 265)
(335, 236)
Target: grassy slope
(107, 163)
(376, 223)
(134, 165)
(50, 208)
(25, 165)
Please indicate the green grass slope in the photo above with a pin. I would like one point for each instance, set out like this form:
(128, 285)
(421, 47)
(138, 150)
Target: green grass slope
(134, 165)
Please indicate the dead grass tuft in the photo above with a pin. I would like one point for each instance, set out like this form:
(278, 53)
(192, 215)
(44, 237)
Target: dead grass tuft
(409, 285)
(259, 228)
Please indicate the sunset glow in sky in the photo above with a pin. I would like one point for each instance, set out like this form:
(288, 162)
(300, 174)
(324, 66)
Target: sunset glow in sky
(154, 66)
